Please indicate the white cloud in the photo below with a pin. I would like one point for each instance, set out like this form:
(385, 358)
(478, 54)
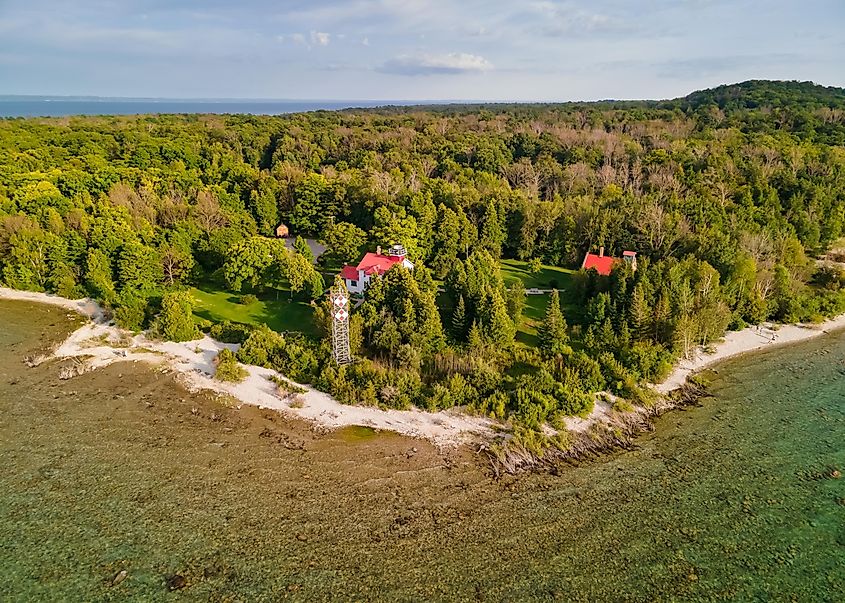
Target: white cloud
(567, 19)
(320, 38)
(428, 64)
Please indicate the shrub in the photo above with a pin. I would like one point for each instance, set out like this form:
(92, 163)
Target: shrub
(285, 387)
(573, 402)
(63, 282)
(297, 361)
(439, 399)
(248, 299)
(652, 362)
(494, 406)
(531, 439)
(588, 370)
(228, 368)
(230, 332)
(261, 346)
(130, 313)
(175, 322)
(622, 405)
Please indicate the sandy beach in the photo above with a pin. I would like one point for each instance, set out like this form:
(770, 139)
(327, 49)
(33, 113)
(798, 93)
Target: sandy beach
(750, 339)
(99, 343)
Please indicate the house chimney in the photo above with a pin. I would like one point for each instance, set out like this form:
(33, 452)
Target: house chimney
(378, 250)
(601, 252)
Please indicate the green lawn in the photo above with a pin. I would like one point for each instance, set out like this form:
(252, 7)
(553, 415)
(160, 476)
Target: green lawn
(216, 304)
(549, 277)
(532, 316)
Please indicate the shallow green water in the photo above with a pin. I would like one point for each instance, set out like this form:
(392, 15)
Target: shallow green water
(124, 470)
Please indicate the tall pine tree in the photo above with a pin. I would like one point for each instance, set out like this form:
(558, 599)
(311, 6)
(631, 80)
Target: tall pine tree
(459, 320)
(639, 314)
(497, 325)
(552, 333)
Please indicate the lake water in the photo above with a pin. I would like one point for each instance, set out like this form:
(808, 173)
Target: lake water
(122, 469)
(60, 107)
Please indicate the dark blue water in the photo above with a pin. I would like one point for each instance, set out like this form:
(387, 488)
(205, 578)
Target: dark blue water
(60, 107)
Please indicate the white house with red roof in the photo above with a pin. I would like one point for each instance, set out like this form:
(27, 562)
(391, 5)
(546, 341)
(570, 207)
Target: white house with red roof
(603, 264)
(357, 278)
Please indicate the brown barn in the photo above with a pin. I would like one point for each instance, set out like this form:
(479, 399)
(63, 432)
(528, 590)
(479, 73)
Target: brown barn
(282, 231)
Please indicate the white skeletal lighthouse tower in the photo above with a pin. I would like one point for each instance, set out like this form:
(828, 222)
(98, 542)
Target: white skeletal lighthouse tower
(340, 324)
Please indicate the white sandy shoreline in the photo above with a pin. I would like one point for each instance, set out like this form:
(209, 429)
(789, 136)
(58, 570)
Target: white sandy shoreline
(100, 344)
(750, 339)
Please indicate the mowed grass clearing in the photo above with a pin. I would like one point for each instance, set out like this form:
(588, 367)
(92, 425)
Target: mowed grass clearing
(282, 314)
(549, 277)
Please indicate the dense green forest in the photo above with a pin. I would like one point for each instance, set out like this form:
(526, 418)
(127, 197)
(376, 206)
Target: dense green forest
(727, 195)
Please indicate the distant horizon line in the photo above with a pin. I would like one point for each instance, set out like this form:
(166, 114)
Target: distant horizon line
(369, 101)
(352, 103)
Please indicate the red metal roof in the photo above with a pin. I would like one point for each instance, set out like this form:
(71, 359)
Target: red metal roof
(602, 264)
(374, 263)
(371, 263)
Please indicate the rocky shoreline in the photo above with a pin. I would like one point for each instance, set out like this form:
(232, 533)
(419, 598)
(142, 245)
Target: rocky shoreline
(617, 433)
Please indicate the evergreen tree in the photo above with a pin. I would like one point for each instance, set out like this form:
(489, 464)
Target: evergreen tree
(552, 333)
(639, 314)
(396, 303)
(447, 241)
(459, 320)
(492, 234)
(300, 245)
(175, 322)
(660, 320)
(497, 325)
(516, 301)
(475, 340)
(139, 268)
(406, 319)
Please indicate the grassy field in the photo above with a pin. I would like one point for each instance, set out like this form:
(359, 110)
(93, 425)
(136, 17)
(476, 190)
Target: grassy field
(282, 314)
(532, 316)
(549, 277)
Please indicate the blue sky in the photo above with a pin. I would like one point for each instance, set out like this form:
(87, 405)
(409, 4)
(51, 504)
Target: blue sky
(413, 49)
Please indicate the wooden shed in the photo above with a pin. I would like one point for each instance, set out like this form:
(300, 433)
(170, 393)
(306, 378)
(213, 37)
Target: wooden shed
(282, 231)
